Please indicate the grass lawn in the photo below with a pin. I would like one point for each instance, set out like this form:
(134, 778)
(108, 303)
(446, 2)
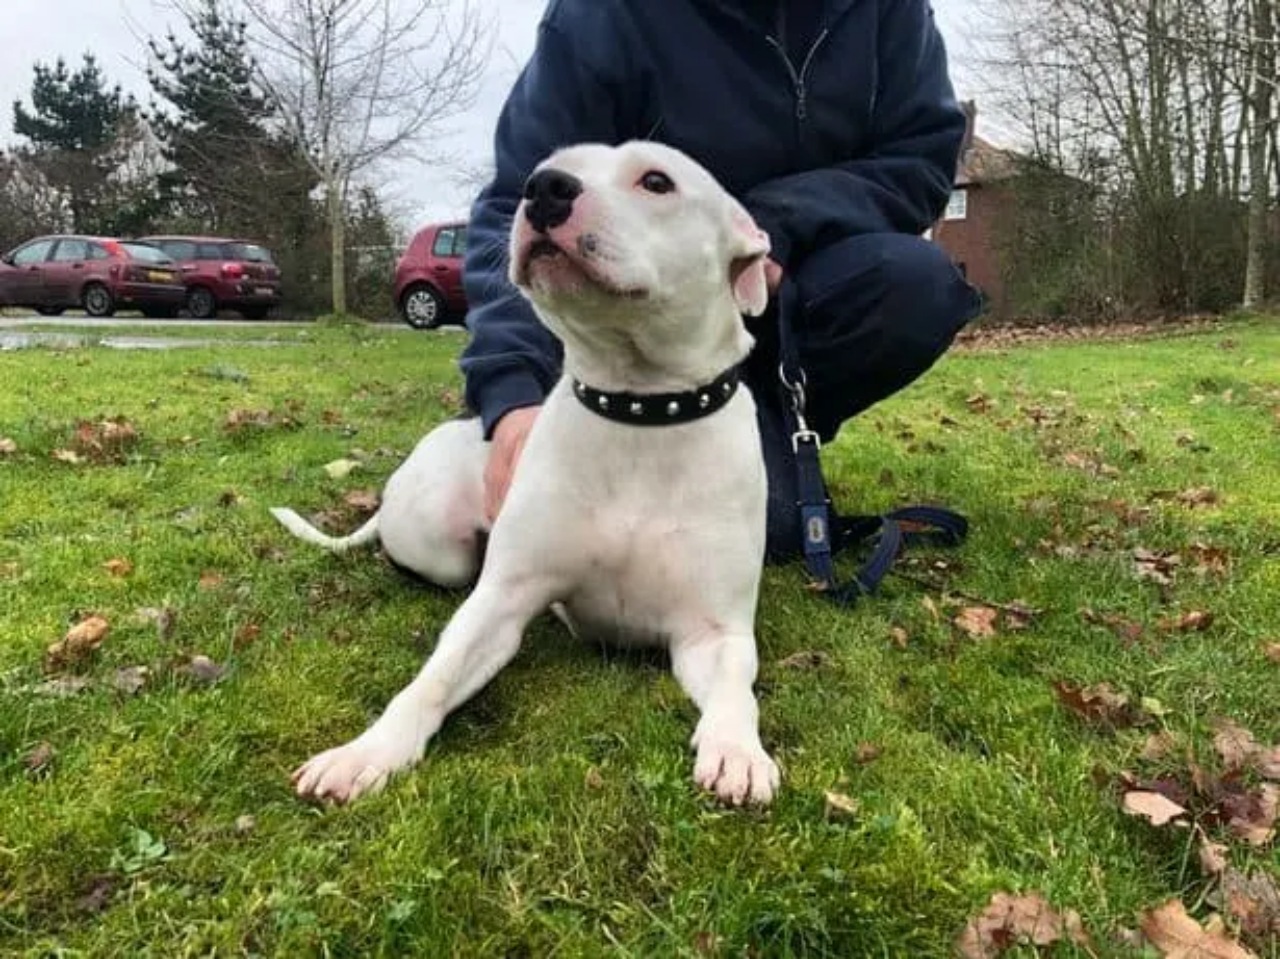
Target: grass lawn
(1115, 488)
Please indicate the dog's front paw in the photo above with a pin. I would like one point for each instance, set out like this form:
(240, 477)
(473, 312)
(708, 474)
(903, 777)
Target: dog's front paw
(345, 773)
(736, 770)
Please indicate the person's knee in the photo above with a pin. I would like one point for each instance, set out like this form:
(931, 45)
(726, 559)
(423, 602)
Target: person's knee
(924, 292)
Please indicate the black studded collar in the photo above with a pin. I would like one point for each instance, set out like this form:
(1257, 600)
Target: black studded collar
(660, 409)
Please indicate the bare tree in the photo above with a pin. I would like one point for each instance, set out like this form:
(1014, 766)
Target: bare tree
(362, 82)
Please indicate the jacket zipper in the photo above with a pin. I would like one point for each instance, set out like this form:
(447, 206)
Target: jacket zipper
(798, 78)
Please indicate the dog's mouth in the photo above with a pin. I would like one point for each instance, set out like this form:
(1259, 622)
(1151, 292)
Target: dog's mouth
(557, 268)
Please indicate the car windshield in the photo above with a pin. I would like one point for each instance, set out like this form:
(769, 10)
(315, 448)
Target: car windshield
(251, 252)
(145, 253)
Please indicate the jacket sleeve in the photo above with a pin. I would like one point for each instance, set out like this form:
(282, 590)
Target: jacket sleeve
(902, 184)
(512, 360)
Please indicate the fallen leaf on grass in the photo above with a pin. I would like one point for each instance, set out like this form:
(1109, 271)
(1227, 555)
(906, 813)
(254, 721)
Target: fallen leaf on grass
(1152, 806)
(1194, 621)
(240, 421)
(340, 469)
(39, 761)
(67, 456)
(118, 567)
(1158, 745)
(130, 679)
(1157, 567)
(245, 824)
(7, 446)
(202, 669)
(806, 659)
(106, 441)
(593, 779)
(1254, 900)
(1178, 936)
(1198, 496)
(1272, 652)
(1267, 763)
(364, 500)
(246, 636)
(867, 753)
(977, 622)
(163, 619)
(1213, 856)
(839, 806)
(1011, 920)
(210, 580)
(1209, 560)
(979, 403)
(1100, 704)
(10, 570)
(1252, 815)
(61, 687)
(1234, 744)
(1128, 630)
(79, 642)
(899, 637)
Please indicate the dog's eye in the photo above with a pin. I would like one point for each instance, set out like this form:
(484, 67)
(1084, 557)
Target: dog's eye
(655, 181)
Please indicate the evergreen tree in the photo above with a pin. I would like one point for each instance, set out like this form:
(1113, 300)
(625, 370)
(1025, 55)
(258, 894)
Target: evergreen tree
(74, 129)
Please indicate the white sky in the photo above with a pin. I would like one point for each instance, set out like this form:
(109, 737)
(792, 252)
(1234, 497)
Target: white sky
(34, 31)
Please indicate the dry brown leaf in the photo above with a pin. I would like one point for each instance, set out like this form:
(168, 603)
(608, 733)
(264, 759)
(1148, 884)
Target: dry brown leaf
(1128, 630)
(246, 636)
(1009, 920)
(977, 622)
(130, 680)
(1157, 746)
(162, 619)
(1213, 856)
(79, 642)
(806, 659)
(1267, 763)
(39, 760)
(593, 779)
(1198, 496)
(104, 441)
(1271, 651)
(1254, 900)
(202, 669)
(67, 456)
(1209, 560)
(118, 567)
(1178, 936)
(931, 608)
(899, 637)
(1155, 566)
(839, 806)
(364, 500)
(210, 580)
(1153, 807)
(1252, 815)
(7, 446)
(1100, 704)
(239, 420)
(1234, 744)
(979, 403)
(867, 753)
(1194, 621)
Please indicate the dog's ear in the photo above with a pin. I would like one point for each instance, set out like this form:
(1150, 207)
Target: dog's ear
(750, 246)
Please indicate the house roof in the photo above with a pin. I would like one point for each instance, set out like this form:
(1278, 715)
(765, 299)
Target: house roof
(984, 162)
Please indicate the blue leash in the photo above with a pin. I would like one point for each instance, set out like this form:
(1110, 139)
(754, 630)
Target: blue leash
(892, 532)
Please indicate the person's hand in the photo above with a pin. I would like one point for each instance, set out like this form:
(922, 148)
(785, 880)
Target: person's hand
(505, 447)
(772, 275)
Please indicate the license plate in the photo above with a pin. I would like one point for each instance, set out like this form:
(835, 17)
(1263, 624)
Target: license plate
(159, 276)
(265, 291)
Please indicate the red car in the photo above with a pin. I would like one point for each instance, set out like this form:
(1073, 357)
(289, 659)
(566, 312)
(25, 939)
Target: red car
(428, 286)
(55, 273)
(224, 274)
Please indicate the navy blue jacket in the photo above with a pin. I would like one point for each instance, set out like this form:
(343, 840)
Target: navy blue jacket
(859, 135)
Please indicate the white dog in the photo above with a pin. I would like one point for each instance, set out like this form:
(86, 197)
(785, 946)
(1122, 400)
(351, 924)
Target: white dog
(642, 266)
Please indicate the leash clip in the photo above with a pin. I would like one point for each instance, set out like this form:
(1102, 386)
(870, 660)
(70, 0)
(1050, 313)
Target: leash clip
(795, 388)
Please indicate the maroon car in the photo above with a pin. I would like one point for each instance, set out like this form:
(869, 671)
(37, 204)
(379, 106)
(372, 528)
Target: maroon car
(224, 274)
(428, 285)
(99, 274)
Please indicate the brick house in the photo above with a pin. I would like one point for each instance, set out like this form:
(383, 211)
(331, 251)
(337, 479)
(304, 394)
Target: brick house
(970, 227)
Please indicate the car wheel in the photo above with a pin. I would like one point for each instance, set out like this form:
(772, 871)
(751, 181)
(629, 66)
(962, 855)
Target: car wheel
(97, 300)
(422, 307)
(201, 304)
(49, 310)
(255, 312)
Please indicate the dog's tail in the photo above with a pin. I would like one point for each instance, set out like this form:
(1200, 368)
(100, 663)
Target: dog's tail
(300, 528)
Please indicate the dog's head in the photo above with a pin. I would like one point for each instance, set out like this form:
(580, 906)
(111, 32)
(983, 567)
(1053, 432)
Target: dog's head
(639, 245)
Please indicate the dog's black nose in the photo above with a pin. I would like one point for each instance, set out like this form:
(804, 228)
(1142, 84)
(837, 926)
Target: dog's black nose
(549, 196)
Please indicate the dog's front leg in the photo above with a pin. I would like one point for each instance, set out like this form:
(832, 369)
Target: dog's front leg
(717, 670)
(482, 637)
